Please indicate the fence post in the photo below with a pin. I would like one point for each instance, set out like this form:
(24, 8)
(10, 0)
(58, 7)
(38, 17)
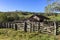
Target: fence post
(31, 27)
(0, 25)
(57, 31)
(15, 26)
(12, 25)
(9, 25)
(39, 28)
(25, 27)
(54, 28)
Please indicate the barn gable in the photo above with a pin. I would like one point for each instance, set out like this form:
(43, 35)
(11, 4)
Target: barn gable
(38, 18)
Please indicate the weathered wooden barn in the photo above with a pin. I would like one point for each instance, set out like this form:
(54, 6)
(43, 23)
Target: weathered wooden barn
(36, 23)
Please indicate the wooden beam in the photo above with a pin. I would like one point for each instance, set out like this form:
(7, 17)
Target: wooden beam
(54, 28)
(25, 27)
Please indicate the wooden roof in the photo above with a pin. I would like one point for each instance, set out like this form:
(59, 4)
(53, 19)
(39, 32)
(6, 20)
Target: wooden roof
(40, 17)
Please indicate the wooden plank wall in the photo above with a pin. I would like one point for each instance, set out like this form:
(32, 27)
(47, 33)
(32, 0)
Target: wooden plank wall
(42, 27)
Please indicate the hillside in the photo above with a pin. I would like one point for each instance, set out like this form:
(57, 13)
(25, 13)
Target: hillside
(7, 16)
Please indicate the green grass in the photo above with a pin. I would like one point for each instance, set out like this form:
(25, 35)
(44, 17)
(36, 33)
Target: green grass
(10, 34)
(21, 15)
(52, 18)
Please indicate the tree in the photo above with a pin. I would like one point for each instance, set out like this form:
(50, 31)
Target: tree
(53, 7)
(48, 8)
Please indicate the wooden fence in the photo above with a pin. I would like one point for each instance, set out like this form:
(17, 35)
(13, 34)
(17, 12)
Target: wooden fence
(42, 27)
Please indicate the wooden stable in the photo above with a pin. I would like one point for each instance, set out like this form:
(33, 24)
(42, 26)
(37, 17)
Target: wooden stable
(36, 23)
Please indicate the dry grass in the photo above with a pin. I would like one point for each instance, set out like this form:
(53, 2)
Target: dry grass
(9, 34)
(58, 37)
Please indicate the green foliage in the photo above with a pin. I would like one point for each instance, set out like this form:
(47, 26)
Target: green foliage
(53, 7)
(11, 16)
(14, 16)
(3, 17)
(10, 19)
(48, 9)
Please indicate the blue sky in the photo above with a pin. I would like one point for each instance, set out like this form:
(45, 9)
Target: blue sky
(23, 5)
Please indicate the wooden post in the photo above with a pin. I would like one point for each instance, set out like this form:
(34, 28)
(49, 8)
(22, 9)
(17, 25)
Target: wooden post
(54, 28)
(9, 25)
(12, 25)
(33, 26)
(30, 27)
(6, 24)
(57, 33)
(1, 25)
(39, 27)
(15, 26)
(25, 27)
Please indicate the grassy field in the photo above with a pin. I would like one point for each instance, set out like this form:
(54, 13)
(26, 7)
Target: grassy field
(58, 37)
(10, 34)
(52, 18)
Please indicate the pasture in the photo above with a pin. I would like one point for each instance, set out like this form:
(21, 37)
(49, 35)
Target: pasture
(11, 34)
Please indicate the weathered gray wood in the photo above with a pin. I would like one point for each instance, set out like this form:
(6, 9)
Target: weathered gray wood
(30, 27)
(12, 25)
(6, 25)
(54, 28)
(9, 25)
(25, 27)
(15, 26)
(39, 27)
(0, 25)
(33, 26)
